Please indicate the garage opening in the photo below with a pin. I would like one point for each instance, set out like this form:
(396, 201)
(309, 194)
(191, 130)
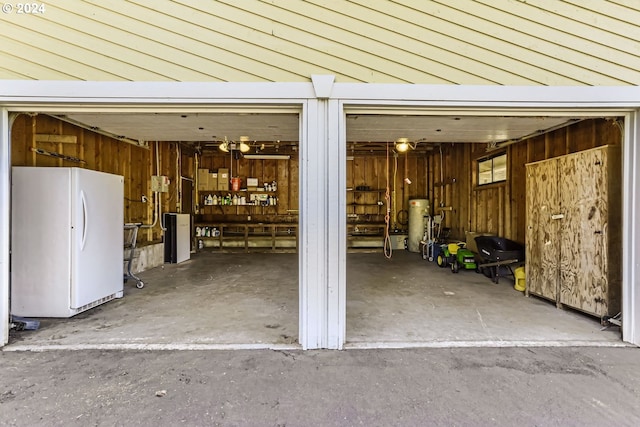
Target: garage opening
(229, 276)
(421, 188)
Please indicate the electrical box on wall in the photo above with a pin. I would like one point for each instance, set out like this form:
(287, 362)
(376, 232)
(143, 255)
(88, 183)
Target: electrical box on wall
(160, 183)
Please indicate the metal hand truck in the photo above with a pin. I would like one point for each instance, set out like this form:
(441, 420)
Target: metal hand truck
(131, 237)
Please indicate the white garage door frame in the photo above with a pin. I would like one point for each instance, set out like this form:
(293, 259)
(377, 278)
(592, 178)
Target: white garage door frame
(324, 105)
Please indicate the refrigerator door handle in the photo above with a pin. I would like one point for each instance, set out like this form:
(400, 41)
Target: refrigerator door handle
(84, 220)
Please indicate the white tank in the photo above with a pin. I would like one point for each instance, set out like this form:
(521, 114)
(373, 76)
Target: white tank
(418, 209)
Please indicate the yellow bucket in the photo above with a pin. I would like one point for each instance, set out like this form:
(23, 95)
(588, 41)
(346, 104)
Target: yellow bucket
(520, 279)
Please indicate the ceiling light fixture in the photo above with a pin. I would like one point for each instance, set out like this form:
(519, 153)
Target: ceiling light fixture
(403, 145)
(224, 146)
(244, 147)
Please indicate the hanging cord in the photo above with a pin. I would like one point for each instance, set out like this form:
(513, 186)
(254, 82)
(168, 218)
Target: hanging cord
(388, 249)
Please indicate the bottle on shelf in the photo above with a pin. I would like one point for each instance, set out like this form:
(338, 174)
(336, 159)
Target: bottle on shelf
(215, 199)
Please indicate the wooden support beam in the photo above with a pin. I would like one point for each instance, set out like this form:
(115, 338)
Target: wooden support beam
(56, 139)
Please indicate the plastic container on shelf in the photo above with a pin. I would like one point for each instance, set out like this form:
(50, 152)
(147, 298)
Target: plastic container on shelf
(236, 183)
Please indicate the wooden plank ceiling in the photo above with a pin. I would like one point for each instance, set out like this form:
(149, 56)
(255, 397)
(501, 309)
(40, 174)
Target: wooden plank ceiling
(506, 42)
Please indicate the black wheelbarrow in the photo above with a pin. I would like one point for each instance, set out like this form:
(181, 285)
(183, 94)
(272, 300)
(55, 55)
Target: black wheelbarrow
(497, 252)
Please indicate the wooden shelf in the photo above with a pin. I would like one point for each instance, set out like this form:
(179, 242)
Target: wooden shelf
(252, 235)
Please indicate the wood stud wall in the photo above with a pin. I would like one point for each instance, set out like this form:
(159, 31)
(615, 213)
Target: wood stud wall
(500, 208)
(445, 175)
(371, 171)
(284, 172)
(98, 152)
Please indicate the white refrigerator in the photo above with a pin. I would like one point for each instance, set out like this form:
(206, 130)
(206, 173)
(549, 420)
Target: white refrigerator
(67, 240)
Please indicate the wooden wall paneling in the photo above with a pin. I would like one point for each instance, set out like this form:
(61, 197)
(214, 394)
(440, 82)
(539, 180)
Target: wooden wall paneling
(359, 179)
(501, 207)
(174, 176)
(129, 202)
(581, 136)
(542, 260)
(187, 173)
(507, 202)
(613, 227)
(494, 212)
(557, 143)
(167, 168)
(271, 174)
(90, 150)
(467, 188)
(480, 211)
(537, 148)
(473, 194)
(100, 152)
(430, 162)
(464, 187)
(454, 190)
(283, 186)
(483, 211)
(80, 147)
(20, 154)
(58, 147)
(608, 133)
(293, 187)
(70, 148)
(138, 178)
(41, 124)
(517, 158)
(378, 182)
(149, 234)
(415, 175)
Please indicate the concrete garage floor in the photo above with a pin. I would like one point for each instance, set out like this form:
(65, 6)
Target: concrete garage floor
(222, 300)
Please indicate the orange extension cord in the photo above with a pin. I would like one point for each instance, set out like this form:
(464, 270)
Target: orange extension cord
(388, 249)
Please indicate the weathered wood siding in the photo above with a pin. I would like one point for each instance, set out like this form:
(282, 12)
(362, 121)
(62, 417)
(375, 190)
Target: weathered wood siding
(506, 42)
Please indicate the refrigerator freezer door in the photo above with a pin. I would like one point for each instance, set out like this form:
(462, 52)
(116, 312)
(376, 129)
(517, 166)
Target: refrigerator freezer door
(40, 242)
(97, 236)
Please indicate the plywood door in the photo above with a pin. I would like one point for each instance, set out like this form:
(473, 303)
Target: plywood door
(542, 241)
(584, 257)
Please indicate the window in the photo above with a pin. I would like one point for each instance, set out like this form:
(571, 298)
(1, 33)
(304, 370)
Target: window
(493, 169)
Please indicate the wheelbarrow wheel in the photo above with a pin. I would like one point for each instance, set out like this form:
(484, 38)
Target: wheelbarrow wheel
(441, 261)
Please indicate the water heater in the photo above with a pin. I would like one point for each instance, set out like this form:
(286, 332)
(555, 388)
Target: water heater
(418, 210)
